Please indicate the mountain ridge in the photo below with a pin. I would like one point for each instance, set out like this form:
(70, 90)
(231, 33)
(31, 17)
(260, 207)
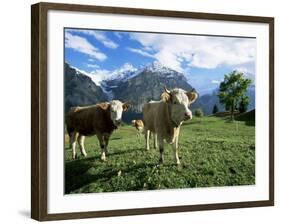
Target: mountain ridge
(137, 86)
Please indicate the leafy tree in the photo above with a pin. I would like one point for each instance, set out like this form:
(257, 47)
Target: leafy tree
(232, 89)
(198, 112)
(215, 109)
(243, 104)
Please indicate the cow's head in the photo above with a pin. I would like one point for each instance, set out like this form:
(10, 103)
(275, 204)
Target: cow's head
(116, 109)
(179, 101)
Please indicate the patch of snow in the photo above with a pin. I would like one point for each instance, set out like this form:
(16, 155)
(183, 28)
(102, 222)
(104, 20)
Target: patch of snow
(156, 66)
(170, 76)
(98, 79)
(122, 73)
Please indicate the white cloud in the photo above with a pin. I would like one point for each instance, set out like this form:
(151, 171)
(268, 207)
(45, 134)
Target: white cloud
(215, 81)
(92, 66)
(81, 45)
(141, 52)
(118, 34)
(99, 35)
(198, 51)
(126, 67)
(248, 70)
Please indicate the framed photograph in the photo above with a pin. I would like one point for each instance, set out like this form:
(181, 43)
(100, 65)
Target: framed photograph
(139, 111)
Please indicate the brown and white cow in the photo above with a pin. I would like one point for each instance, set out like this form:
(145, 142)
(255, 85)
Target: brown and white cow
(100, 119)
(164, 118)
(138, 124)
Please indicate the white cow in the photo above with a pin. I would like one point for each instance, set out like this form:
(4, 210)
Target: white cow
(165, 117)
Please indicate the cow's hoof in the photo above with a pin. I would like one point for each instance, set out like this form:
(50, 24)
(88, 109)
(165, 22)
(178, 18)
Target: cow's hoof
(161, 161)
(84, 154)
(103, 159)
(73, 157)
(178, 163)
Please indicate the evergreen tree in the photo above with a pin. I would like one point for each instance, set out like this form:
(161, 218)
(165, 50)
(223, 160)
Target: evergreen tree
(215, 109)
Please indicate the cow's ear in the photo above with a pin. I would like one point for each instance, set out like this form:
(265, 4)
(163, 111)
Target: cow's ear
(192, 96)
(126, 106)
(166, 95)
(104, 106)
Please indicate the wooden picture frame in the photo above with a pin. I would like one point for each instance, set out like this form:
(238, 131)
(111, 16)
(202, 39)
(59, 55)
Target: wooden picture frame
(39, 109)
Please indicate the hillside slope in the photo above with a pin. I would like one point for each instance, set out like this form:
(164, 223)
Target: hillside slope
(79, 89)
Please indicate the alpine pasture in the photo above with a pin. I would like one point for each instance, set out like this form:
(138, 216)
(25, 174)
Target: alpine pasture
(214, 151)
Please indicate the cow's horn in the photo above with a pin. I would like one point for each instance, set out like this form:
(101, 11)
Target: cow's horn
(166, 90)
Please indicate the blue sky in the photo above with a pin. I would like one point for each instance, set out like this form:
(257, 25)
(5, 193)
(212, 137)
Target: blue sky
(203, 59)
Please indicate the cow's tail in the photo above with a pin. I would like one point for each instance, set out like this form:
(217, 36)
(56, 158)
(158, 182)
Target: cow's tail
(68, 130)
(68, 122)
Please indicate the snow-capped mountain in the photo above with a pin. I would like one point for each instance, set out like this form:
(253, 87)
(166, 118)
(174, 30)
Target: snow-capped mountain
(159, 68)
(110, 81)
(121, 74)
(144, 85)
(136, 85)
(128, 71)
(124, 73)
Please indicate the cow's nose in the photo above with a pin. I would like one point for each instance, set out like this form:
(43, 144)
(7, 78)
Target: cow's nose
(188, 115)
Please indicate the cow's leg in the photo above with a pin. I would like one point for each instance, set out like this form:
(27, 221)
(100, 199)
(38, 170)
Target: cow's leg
(73, 139)
(177, 138)
(106, 140)
(175, 149)
(155, 141)
(69, 141)
(138, 136)
(81, 140)
(177, 142)
(102, 146)
(161, 148)
(147, 133)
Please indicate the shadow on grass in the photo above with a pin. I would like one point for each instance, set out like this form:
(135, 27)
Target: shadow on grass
(76, 170)
(80, 173)
(116, 138)
(75, 180)
(112, 152)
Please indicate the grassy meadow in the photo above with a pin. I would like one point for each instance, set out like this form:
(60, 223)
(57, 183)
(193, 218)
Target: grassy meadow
(213, 152)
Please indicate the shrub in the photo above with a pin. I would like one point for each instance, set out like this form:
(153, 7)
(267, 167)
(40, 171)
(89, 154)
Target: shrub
(198, 112)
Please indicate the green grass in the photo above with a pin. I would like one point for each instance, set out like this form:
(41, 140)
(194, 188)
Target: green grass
(213, 152)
